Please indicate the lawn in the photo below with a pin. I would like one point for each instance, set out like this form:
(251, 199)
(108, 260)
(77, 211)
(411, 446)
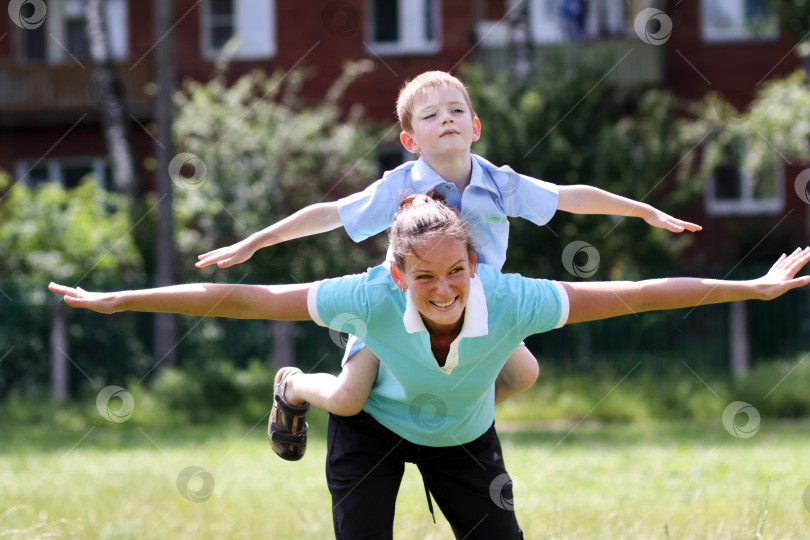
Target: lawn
(641, 480)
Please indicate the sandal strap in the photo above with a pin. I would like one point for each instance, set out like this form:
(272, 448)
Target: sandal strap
(281, 434)
(291, 410)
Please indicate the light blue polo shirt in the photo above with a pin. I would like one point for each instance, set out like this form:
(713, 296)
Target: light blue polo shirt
(413, 396)
(494, 193)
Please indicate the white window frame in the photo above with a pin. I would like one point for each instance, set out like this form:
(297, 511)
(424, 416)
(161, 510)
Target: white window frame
(747, 204)
(254, 27)
(55, 169)
(412, 26)
(116, 15)
(736, 29)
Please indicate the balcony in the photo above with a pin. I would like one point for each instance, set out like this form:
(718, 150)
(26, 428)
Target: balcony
(37, 93)
(625, 60)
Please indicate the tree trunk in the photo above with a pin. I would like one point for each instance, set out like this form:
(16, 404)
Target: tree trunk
(283, 343)
(107, 91)
(59, 347)
(738, 336)
(165, 77)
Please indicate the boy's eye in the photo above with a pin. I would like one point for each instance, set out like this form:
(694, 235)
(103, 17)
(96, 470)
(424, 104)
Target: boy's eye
(429, 115)
(458, 110)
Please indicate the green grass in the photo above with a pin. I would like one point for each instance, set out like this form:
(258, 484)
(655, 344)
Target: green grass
(640, 480)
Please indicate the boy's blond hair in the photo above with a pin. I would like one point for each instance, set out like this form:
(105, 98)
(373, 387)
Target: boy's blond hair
(419, 84)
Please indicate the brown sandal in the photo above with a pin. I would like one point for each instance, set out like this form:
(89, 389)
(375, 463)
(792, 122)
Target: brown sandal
(287, 429)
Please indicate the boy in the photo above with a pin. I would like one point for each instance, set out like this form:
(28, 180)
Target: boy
(439, 124)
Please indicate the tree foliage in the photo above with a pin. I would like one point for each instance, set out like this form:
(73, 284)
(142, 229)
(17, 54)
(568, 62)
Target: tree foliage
(79, 236)
(569, 127)
(773, 130)
(264, 153)
(794, 15)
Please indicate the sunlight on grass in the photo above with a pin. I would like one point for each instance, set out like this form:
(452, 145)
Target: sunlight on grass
(595, 481)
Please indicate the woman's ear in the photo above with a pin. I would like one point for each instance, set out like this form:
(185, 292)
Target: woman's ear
(408, 142)
(473, 263)
(396, 275)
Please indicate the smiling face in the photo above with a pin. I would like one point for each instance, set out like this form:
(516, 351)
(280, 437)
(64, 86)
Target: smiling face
(438, 278)
(442, 123)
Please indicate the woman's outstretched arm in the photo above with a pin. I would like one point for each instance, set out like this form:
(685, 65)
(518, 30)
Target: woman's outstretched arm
(589, 301)
(271, 302)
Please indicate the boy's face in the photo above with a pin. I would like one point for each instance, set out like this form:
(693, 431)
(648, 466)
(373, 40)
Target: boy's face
(442, 124)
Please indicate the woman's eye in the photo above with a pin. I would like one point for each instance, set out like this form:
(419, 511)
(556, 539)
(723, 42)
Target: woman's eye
(456, 270)
(425, 276)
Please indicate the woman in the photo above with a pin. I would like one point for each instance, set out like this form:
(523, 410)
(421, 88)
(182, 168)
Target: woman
(442, 327)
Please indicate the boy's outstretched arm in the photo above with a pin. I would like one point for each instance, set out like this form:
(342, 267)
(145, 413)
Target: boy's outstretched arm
(314, 219)
(582, 199)
(590, 301)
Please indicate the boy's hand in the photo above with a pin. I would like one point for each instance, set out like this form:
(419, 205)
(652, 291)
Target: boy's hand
(226, 256)
(657, 218)
(79, 298)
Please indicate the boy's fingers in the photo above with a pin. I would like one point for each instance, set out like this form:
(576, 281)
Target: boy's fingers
(61, 289)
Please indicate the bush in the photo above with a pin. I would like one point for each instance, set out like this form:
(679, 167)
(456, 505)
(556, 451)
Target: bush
(777, 389)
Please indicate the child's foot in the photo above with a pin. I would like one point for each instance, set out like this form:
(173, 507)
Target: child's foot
(287, 429)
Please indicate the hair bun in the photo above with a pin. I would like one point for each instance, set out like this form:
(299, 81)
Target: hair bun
(420, 199)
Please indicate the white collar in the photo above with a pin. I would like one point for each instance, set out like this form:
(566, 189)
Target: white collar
(476, 317)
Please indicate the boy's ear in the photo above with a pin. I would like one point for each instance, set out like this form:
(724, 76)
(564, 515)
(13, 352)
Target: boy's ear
(396, 275)
(408, 142)
(476, 133)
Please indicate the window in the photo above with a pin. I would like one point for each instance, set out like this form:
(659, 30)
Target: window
(68, 172)
(554, 21)
(250, 22)
(403, 27)
(731, 190)
(737, 20)
(63, 38)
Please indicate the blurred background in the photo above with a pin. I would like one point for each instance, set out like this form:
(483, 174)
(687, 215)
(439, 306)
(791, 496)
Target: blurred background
(135, 136)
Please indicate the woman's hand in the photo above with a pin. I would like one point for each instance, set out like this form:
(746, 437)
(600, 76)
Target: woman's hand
(79, 298)
(781, 277)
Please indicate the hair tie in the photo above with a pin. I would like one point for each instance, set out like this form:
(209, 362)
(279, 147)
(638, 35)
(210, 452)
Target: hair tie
(420, 199)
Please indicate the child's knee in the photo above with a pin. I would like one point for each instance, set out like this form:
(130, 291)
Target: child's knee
(346, 402)
(524, 369)
(526, 376)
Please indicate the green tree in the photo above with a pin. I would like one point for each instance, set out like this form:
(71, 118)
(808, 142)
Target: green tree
(568, 127)
(775, 127)
(255, 152)
(79, 237)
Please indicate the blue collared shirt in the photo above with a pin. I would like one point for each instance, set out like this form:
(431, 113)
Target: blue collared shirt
(493, 195)
(413, 396)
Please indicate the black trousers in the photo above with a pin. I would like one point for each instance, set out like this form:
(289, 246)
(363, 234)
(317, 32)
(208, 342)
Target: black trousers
(364, 467)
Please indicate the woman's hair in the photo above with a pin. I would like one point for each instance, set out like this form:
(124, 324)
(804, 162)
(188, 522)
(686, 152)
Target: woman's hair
(425, 217)
(420, 84)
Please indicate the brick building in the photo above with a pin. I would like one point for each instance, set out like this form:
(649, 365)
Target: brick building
(50, 127)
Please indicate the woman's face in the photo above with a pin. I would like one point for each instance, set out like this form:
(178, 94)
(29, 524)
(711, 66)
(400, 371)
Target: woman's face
(438, 277)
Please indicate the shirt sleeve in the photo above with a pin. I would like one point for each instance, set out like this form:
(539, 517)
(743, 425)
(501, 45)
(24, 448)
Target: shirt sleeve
(527, 197)
(543, 305)
(341, 304)
(371, 211)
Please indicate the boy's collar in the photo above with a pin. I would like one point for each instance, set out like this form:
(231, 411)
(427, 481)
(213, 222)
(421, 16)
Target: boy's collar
(424, 177)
